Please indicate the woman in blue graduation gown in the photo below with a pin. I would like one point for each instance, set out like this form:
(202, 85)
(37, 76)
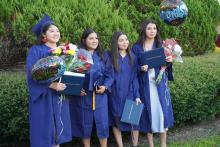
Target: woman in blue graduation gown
(91, 108)
(49, 120)
(157, 116)
(125, 85)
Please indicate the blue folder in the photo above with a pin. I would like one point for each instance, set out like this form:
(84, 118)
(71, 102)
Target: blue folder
(132, 112)
(153, 58)
(74, 83)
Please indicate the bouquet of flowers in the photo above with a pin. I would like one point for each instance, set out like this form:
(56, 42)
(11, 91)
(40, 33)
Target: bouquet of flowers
(66, 57)
(48, 69)
(171, 48)
(66, 51)
(77, 60)
(82, 62)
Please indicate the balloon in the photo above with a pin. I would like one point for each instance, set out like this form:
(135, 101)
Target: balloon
(48, 69)
(173, 12)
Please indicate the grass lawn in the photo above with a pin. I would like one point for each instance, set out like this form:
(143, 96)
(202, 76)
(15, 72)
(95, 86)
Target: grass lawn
(213, 141)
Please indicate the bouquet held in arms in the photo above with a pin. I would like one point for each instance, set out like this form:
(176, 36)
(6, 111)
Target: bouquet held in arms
(66, 51)
(52, 67)
(171, 48)
(77, 59)
(82, 61)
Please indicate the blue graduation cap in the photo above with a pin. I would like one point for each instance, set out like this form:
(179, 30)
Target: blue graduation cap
(37, 29)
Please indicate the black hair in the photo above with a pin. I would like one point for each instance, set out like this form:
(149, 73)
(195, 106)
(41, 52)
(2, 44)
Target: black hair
(114, 52)
(142, 33)
(84, 36)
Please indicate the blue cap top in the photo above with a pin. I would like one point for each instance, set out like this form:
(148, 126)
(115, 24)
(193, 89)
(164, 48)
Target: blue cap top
(37, 29)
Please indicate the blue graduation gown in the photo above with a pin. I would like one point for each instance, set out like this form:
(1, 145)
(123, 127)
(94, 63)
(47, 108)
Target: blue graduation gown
(49, 118)
(82, 115)
(125, 86)
(163, 93)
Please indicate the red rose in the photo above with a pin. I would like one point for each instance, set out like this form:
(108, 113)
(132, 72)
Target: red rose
(87, 65)
(80, 70)
(67, 47)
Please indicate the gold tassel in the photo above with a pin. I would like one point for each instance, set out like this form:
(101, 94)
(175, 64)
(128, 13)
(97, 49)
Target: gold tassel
(93, 100)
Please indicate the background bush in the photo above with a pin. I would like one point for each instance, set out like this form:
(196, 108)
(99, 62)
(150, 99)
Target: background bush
(196, 89)
(195, 96)
(196, 35)
(72, 17)
(13, 108)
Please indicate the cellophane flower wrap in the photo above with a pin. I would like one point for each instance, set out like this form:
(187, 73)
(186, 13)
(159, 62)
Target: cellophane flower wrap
(171, 48)
(82, 61)
(48, 69)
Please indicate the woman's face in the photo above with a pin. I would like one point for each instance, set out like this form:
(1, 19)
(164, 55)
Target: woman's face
(52, 34)
(151, 31)
(123, 42)
(92, 41)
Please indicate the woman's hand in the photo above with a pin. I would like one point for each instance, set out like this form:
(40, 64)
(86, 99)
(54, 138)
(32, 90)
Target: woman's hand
(138, 101)
(57, 86)
(82, 92)
(101, 89)
(144, 68)
(169, 59)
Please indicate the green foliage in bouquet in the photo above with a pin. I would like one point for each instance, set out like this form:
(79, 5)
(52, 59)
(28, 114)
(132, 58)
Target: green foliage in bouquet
(196, 89)
(13, 108)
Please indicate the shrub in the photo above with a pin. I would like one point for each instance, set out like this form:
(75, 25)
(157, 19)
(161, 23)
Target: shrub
(13, 108)
(72, 17)
(197, 34)
(196, 89)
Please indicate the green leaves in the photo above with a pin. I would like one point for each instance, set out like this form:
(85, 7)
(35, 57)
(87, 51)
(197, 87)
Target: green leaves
(195, 91)
(13, 106)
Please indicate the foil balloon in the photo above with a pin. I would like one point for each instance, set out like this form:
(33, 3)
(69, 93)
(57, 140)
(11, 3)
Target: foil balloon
(173, 12)
(48, 69)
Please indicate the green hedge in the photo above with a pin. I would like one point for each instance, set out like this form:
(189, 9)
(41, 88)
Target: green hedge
(13, 108)
(196, 35)
(195, 96)
(72, 16)
(196, 88)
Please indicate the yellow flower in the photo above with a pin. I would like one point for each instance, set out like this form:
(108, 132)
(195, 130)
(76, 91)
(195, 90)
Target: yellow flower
(71, 52)
(57, 51)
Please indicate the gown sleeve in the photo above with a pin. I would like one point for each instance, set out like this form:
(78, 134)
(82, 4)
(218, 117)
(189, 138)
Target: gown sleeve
(135, 52)
(35, 89)
(108, 73)
(169, 72)
(135, 83)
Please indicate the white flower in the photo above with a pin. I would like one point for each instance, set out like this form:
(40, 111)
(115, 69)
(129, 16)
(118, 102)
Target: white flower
(177, 50)
(73, 46)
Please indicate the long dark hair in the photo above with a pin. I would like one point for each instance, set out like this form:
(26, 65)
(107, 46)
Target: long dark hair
(142, 33)
(114, 53)
(84, 36)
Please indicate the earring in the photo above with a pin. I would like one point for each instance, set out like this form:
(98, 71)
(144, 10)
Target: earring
(44, 40)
